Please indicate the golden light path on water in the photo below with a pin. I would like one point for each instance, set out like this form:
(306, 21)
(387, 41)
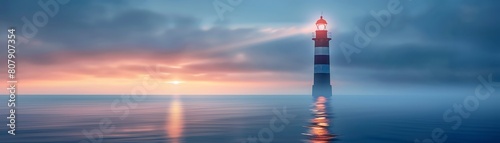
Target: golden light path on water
(175, 122)
(318, 131)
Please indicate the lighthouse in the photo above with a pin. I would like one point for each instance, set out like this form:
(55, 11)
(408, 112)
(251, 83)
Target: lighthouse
(321, 85)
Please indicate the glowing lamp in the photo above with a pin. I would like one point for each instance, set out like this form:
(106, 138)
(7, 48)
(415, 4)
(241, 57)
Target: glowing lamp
(321, 24)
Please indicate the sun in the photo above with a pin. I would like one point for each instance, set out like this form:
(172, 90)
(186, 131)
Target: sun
(175, 82)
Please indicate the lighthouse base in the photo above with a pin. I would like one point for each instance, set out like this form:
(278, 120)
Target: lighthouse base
(322, 90)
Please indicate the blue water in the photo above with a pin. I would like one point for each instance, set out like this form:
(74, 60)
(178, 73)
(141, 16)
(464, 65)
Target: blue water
(235, 119)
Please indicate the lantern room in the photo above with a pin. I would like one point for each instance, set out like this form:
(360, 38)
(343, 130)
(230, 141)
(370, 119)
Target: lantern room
(321, 24)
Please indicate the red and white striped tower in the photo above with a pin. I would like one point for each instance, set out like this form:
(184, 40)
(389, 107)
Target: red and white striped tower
(321, 86)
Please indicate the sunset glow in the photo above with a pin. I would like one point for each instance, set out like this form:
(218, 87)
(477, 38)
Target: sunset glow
(175, 82)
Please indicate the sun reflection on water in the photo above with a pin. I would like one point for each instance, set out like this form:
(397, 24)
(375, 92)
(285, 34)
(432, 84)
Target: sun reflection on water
(175, 124)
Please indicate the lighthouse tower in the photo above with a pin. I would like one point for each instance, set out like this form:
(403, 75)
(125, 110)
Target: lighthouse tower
(321, 86)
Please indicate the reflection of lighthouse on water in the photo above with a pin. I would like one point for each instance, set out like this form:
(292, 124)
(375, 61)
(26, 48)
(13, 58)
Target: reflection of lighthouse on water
(318, 129)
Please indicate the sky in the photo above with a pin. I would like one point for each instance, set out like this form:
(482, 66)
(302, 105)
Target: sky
(253, 47)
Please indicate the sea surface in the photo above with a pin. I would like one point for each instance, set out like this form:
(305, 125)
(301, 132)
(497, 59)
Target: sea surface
(248, 119)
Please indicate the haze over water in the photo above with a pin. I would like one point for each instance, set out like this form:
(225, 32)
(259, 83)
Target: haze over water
(232, 119)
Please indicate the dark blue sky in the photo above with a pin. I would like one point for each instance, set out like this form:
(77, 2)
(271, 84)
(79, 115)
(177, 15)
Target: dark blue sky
(429, 47)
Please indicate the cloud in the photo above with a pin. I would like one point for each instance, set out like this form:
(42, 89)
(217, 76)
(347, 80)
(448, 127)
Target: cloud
(440, 45)
(120, 45)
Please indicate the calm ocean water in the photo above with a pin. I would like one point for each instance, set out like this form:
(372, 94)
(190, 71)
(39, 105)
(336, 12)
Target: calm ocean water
(240, 119)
